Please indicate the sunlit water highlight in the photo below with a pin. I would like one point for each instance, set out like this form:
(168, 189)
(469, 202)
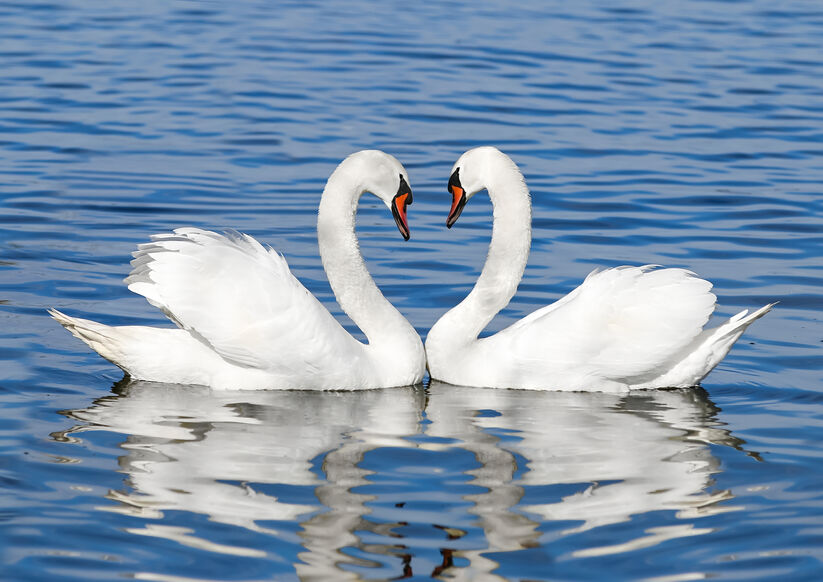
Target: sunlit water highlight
(681, 134)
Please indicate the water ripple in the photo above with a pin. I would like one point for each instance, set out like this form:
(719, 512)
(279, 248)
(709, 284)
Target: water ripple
(675, 134)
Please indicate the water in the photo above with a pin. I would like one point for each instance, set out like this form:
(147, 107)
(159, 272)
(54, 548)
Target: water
(684, 134)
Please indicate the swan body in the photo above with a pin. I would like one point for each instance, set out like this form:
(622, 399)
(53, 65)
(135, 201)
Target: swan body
(245, 322)
(624, 328)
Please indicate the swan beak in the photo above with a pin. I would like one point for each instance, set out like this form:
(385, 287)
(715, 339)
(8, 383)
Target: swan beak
(458, 198)
(402, 199)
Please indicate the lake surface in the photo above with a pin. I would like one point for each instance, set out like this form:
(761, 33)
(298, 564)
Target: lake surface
(682, 134)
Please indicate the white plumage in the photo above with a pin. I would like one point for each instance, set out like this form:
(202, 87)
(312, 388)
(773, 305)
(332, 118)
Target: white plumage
(623, 328)
(245, 322)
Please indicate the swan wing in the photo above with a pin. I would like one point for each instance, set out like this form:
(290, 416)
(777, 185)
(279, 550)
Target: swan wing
(240, 299)
(630, 322)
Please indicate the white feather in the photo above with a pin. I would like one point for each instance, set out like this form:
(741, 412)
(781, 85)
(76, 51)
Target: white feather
(247, 323)
(623, 328)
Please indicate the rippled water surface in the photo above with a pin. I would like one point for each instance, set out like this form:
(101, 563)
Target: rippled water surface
(683, 134)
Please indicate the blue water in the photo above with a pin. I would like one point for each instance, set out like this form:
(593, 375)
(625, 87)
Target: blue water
(684, 134)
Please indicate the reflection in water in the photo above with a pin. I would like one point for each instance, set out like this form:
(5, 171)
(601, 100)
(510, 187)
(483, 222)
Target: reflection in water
(586, 460)
(623, 456)
(214, 453)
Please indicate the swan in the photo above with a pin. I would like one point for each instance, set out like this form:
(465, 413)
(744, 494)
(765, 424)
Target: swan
(623, 328)
(245, 322)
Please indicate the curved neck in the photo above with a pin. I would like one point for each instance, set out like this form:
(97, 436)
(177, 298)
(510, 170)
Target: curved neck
(506, 261)
(350, 281)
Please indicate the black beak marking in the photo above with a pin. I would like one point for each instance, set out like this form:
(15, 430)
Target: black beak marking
(458, 198)
(401, 200)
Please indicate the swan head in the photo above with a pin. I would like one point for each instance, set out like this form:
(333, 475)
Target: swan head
(385, 177)
(473, 172)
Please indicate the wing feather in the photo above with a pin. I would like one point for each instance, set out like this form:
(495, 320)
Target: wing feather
(628, 320)
(241, 299)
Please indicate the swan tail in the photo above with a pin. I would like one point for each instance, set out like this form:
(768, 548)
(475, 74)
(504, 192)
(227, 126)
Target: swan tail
(712, 346)
(738, 323)
(103, 339)
(146, 353)
(724, 337)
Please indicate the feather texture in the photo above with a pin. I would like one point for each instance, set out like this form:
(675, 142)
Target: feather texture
(622, 328)
(245, 322)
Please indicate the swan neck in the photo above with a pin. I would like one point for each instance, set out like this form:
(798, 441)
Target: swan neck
(353, 286)
(506, 259)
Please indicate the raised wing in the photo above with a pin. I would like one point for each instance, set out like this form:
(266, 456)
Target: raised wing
(629, 321)
(242, 300)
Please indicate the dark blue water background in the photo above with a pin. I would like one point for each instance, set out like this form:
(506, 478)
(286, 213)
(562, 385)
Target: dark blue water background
(681, 133)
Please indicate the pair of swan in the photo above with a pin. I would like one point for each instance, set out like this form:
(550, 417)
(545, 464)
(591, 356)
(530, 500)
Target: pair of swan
(245, 322)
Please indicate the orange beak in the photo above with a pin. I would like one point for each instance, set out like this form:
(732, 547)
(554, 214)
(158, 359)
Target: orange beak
(401, 200)
(458, 198)
(398, 210)
(458, 202)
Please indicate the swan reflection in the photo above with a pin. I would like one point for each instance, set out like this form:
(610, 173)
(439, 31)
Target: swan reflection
(255, 460)
(217, 454)
(606, 457)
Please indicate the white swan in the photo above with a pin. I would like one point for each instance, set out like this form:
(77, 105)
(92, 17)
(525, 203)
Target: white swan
(247, 323)
(623, 328)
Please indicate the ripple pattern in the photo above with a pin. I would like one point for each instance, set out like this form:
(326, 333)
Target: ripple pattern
(682, 134)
